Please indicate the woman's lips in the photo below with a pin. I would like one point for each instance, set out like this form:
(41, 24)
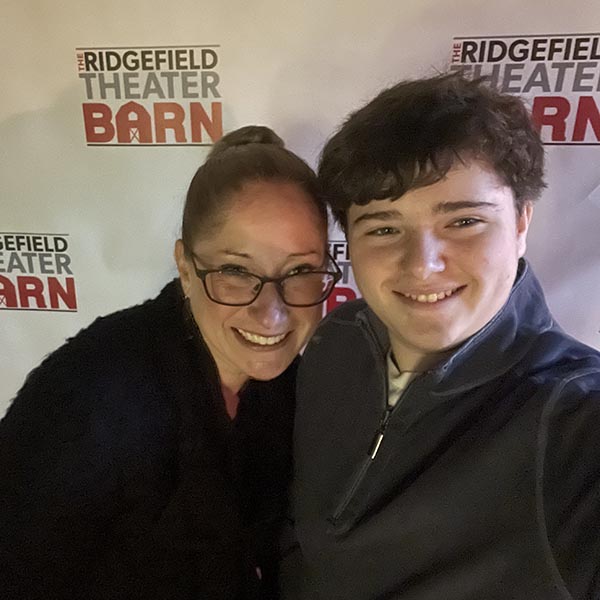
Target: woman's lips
(261, 340)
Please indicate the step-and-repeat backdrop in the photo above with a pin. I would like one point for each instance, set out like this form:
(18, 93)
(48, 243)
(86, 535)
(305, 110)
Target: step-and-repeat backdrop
(108, 108)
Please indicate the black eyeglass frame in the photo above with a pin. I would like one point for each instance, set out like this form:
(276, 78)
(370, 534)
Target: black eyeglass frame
(336, 274)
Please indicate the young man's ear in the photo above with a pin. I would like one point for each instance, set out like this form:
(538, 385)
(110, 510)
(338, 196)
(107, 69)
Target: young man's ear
(184, 267)
(523, 221)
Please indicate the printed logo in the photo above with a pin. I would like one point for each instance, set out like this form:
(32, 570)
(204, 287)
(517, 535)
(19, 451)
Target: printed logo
(558, 73)
(143, 96)
(35, 272)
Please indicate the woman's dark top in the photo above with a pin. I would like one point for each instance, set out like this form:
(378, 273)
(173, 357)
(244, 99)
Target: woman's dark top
(122, 476)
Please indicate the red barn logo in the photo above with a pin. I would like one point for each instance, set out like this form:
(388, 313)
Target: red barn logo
(35, 273)
(559, 74)
(151, 96)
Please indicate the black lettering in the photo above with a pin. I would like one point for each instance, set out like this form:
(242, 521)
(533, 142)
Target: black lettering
(496, 51)
(555, 47)
(146, 56)
(180, 58)
(482, 51)
(568, 48)
(60, 244)
(9, 242)
(192, 60)
(580, 50)
(21, 241)
(160, 58)
(468, 52)
(517, 51)
(113, 60)
(594, 51)
(130, 60)
(209, 58)
(538, 49)
(90, 59)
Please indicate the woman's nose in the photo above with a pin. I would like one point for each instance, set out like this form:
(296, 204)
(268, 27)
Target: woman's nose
(269, 309)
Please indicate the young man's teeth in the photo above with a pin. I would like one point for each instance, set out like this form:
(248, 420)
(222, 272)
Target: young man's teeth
(430, 298)
(260, 339)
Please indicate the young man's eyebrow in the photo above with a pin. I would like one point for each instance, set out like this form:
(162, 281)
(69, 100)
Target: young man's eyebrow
(448, 207)
(380, 215)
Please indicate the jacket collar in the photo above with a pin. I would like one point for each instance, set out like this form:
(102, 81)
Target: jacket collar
(496, 348)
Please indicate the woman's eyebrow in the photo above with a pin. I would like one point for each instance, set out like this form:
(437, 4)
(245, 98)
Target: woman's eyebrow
(246, 256)
(304, 254)
(235, 253)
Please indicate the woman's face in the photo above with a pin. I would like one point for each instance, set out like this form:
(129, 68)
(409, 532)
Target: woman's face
(269, 229)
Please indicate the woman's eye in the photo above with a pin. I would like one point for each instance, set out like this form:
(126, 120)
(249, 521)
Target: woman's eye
(300, 269)
(233, 269)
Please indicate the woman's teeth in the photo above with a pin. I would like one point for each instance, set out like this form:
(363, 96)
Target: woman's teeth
(261, 340)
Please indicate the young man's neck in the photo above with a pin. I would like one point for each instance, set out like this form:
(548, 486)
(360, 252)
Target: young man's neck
(417, 362)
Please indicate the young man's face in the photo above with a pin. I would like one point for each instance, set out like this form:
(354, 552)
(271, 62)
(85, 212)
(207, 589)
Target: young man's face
(438, 263)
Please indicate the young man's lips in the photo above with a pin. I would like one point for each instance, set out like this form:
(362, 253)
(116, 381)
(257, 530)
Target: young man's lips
(257, 339)
(430, 296)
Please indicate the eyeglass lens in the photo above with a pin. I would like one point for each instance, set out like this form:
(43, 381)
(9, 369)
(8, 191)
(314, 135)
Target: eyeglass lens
(239, 287)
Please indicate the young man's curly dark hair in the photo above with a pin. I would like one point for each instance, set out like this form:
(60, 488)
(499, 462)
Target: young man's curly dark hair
(411, 134)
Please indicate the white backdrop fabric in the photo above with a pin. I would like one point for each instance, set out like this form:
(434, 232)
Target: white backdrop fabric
(297, 66)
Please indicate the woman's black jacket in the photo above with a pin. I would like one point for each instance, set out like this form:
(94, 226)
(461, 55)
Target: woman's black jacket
(122, 477)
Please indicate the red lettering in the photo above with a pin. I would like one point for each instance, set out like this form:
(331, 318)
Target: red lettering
(339, 296)
(66, 294)
(587, 112)
(199, 119)
(8, 295)
(169, 115)
(31, 288)
(556, 119)
(97, 118)
(133, 123)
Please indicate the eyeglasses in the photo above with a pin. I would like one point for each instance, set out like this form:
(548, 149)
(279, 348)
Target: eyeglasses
(241, 288)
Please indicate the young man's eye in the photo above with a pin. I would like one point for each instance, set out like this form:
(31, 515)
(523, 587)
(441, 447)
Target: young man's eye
(466, 222)
(382, 231)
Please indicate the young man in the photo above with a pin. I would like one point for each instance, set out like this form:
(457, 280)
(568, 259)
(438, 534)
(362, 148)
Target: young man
(446, 430)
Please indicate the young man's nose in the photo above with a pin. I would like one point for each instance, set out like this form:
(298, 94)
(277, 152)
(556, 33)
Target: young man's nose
(423, 255)
(269, 309)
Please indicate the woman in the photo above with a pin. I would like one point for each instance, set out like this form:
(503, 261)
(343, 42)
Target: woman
(149, 456)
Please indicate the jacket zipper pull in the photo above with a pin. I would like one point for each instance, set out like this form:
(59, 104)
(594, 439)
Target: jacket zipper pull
(380, 433)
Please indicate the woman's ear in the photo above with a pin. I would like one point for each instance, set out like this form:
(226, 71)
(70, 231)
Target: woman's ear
(184, 267)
